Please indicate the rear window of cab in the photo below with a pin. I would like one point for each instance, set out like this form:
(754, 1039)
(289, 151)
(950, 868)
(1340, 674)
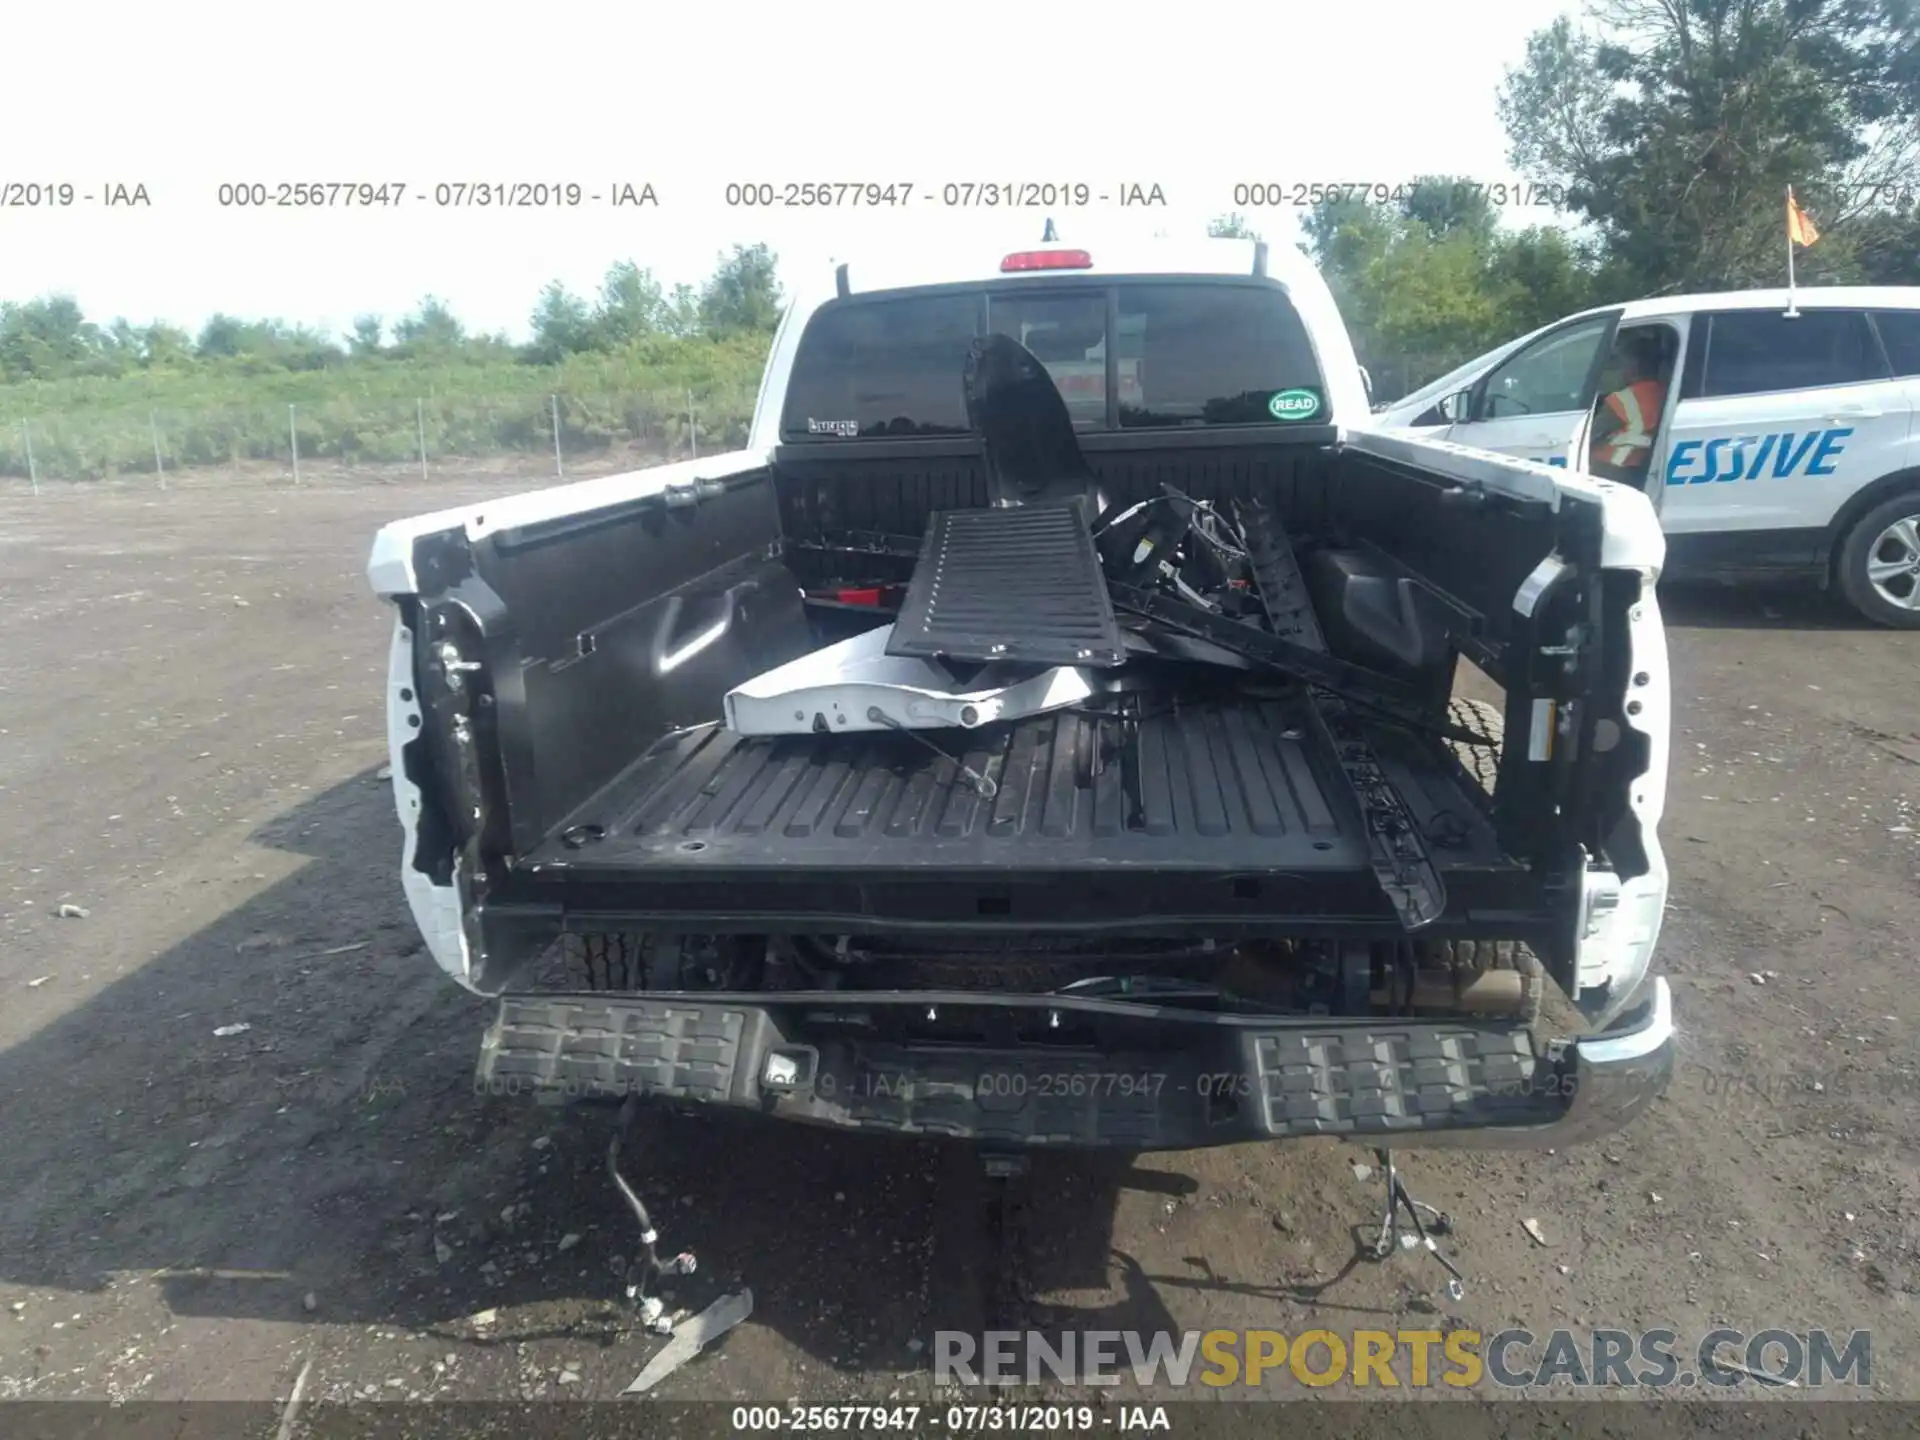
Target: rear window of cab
(1124, 356)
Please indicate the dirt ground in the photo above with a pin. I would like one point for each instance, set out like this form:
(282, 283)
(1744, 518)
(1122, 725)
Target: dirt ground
(190, 729)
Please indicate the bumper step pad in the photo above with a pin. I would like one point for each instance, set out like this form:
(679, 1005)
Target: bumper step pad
(1386, 1080)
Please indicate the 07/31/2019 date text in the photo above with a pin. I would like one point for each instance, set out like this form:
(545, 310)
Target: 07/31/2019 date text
(1020, 1085)
(65, 195)
(1266, 194)
(441, 195)
(950, 195)
(964, 1419)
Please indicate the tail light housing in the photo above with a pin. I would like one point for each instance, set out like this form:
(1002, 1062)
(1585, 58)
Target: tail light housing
(1022, 260)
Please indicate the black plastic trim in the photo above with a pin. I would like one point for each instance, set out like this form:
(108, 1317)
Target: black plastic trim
(1750, 554)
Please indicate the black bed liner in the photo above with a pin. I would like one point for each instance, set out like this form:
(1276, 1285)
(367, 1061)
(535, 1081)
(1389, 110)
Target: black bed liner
(1221, 786)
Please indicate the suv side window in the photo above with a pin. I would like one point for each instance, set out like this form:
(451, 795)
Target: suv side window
(1900, 330)
(1549, 377)
(1752, 352)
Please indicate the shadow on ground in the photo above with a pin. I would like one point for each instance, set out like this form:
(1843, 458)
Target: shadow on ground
(336, 1149)
(1702, 605)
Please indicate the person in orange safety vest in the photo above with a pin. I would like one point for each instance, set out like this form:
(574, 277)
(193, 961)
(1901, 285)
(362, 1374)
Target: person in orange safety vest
(1629, 418)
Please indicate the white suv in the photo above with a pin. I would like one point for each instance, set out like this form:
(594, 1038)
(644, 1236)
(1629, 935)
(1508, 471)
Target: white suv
(1789, 444)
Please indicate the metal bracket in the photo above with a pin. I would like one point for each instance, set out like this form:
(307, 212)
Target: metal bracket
(1569, 653)
(862, 542)
(453, 666)
(1314, 667)
(1401, 861)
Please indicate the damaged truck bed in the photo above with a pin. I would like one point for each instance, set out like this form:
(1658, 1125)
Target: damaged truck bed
(1050, 730)
(1208, 812)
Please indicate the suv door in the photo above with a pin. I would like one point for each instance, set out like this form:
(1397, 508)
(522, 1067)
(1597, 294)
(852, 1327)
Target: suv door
(1780, 422)
(1900, 335)
(1671, 333)
(1530, 404)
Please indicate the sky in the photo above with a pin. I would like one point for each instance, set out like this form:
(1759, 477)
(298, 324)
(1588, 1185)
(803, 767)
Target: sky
(1193, 98)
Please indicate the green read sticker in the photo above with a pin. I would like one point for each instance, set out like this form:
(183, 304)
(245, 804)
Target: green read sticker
(1294, 405)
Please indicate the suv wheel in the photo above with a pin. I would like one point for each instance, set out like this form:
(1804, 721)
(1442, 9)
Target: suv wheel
(1879, 563)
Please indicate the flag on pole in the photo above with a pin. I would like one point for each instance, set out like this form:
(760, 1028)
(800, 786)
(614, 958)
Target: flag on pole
(1800, 231)
(1800, 227)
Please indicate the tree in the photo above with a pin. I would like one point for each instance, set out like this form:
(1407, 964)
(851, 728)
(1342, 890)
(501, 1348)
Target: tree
(1348, 240)
(1886, 248)
(743, 295)
(631, 306)
(1431, 296)
(1901, 22)
(1344, 235)
(165, 346)
(1233, 226)
(683, 311)
(1431, 279)
(267, 344)
(431, 327)
(124, 340)
(299, 347)
(1541, 274)
(48, 337)
(1451, 205)
(562, 325)
(367, 336)
(223, 337)
(1677, 135)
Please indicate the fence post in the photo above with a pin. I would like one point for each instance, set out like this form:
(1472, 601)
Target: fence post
(558, 469)
(693, 427)
(153, 429)
(293, 439)
(420, 415)
(33, 471)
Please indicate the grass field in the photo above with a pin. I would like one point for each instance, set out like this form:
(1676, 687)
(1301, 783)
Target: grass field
(665, 397)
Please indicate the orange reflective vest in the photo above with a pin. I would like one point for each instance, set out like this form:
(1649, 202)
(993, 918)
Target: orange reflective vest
(1637, 408)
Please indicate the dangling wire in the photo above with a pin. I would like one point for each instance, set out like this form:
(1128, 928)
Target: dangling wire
(982, 784)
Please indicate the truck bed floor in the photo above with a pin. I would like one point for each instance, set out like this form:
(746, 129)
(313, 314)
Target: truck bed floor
(1204, 787)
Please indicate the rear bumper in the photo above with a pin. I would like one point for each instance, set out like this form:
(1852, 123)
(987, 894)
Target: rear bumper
(1182, 1080)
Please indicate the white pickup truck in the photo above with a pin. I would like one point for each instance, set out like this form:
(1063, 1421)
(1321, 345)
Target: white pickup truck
(1269, 871)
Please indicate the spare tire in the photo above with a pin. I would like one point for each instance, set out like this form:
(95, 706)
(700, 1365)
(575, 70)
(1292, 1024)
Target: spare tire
(1476, 957)
(1479, 717)
(1482, 762)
